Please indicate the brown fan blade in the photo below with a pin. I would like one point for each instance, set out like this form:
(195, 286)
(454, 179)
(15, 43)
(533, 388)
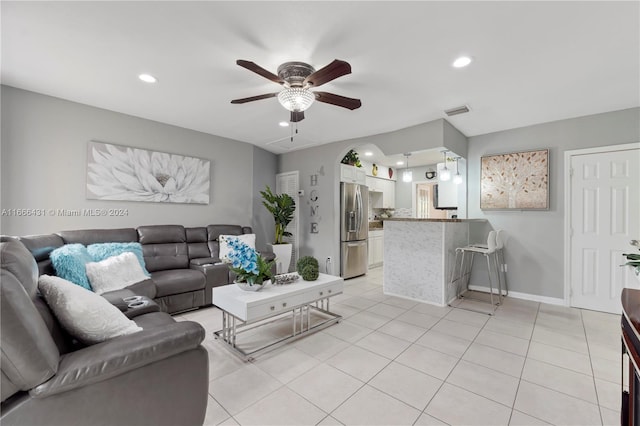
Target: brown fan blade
(335, 69)
(297, 116)
(254, 98)
(251, 66)
(341, 101)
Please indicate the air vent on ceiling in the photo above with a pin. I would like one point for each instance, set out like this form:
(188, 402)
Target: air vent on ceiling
(458, 110)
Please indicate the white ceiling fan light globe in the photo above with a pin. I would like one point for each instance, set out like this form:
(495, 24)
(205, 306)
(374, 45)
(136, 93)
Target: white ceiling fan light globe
(296, 99)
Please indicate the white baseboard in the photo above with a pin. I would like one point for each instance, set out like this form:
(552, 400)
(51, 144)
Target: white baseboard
(523, 296)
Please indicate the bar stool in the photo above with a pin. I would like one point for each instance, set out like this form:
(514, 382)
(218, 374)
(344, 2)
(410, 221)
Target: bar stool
(461, 271)
(500, 264)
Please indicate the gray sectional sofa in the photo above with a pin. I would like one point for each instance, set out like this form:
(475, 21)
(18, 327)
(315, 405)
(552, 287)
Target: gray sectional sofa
(156, 376)
(183, 262)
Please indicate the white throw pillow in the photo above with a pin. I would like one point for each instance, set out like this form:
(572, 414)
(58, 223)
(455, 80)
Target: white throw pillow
(115, 273)
(85, 315)
(225, 250)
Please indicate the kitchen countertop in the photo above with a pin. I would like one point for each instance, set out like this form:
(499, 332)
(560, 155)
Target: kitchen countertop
(413, 219)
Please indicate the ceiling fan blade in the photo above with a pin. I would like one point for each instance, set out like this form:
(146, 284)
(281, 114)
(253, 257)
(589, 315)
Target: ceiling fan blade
(251, 66)
(254, 98)
(297, 116)
(335, 69)
(341, 101)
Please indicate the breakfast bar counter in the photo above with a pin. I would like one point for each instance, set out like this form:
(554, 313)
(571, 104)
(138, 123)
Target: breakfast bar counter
(419, 255)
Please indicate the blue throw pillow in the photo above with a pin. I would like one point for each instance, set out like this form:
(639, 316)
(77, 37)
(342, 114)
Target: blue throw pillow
(102, 251)
(69, 262)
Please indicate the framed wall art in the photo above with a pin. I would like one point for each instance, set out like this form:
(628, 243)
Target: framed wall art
(131, 174)
(515, 181)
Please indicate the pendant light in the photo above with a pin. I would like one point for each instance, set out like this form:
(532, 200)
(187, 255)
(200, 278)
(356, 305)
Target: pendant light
(445, 173)
(457, 179)
(407, 175)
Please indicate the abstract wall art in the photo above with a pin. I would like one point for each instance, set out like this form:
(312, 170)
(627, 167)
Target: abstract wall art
(515, 181)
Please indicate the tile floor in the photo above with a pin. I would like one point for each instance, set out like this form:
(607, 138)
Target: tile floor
(392, 361)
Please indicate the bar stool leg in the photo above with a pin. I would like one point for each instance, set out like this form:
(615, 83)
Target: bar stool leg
(498, 274)
(490, 280)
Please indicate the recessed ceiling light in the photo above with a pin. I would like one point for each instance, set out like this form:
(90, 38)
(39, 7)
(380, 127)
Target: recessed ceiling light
(283, 124)
(368, 153)
(461, 62)
(399, 163)
(147, 78)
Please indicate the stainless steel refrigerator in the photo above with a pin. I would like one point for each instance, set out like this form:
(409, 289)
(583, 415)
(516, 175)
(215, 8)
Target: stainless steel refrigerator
(354, 229)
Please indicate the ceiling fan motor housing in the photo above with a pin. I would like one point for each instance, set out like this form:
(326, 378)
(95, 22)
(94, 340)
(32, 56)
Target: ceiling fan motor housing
(294, 73)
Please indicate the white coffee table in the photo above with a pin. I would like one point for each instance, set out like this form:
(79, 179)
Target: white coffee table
(242, 309)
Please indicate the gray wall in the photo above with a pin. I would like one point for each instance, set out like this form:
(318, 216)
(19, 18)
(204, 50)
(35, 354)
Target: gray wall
(535, 246)
(44, 155)
(264, 173)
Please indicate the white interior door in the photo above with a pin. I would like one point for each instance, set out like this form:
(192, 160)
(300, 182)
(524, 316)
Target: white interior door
(288, 183)
(604, 217)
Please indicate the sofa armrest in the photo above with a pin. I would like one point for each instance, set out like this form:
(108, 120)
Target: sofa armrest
(120, 355)
(216, 274)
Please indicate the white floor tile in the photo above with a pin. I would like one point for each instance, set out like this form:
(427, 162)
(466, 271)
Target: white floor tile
(485, 382)
(608, 394)
(286, 364)
(402, 330)
(282, 407)
(427, 420)
(400, 302)
(555, 407)
(370, 406)
(358, 362)
(610, 417)
(321, 345)
(456, 406)
(406, 384)
(433, 310)
(607, 369)
(242, 388)
(383, 344)
(359, 302)
(521, 419)
(568, 341)
(369, 319)
(504, 342)
(457, 329)
(326, 386)
(560, 379)
(329, 421)
(348, 331)
(433, 363)
(444, 343)
(522, 330)
(216, 414)
(561, 357)
(495, 359)
(467, 317)
(418, 319)
(385, 310)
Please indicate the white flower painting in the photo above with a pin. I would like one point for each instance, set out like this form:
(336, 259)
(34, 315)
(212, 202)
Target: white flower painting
(131, 174)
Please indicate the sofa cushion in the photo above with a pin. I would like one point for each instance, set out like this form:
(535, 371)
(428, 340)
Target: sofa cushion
(115, 273)
(161, 234)
(214, 231)
(92, 236)
(40, 247)
(85, 315)
(102, 251)
(175, 281)
(69, 261)
(159, 257)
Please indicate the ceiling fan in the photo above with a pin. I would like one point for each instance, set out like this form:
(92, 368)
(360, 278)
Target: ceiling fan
(298, 78)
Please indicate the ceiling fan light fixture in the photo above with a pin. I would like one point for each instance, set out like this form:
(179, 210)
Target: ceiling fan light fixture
(296, 99)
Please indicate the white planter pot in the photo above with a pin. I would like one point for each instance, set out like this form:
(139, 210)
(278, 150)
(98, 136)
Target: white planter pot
(283, 257)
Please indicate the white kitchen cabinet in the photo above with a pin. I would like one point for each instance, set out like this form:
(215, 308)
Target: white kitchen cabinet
(382, 192)
(352, 174)
(376, 248)
(388, 194)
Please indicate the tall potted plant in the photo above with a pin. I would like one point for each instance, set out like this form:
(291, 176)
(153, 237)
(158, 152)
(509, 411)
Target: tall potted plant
(282, 207)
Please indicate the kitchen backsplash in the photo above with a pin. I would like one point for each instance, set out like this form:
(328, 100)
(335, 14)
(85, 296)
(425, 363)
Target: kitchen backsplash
(403, 212)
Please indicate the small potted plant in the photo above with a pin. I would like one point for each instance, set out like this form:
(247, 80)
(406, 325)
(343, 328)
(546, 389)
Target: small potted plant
(351, 158)
(252, 271)
(282, 207)
(633, 259)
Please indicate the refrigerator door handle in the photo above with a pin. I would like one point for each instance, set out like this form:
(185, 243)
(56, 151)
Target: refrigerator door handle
(359, 207)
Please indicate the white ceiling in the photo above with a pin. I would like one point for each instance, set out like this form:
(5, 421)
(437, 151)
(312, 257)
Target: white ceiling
(533, 61)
